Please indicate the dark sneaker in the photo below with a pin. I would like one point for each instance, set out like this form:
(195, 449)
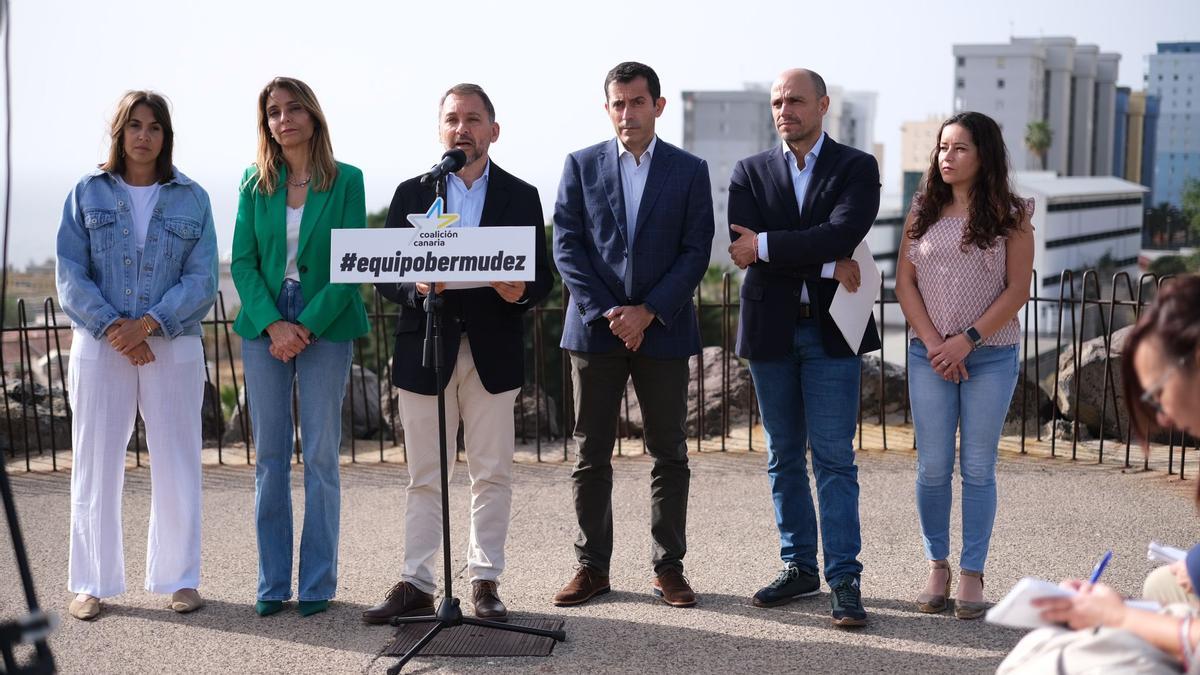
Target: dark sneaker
(847, 603)
(791, 583)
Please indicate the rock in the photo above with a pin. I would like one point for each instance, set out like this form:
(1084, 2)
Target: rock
(360, 414)
(532, 400)
(895, 385)
(34, 419)
(1088, 382)
(361, 406)
(1037, 407)
(740, 396)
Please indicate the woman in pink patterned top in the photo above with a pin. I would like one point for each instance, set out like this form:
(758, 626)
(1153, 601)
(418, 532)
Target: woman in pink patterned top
(965, 263)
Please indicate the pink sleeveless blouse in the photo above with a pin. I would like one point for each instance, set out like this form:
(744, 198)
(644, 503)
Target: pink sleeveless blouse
(958, 286)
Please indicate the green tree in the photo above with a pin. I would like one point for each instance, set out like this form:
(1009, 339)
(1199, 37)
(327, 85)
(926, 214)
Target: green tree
(1038, 138)
(377, 218)
(1190, 206)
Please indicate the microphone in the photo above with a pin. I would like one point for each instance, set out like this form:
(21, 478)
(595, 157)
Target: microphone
(452, 161)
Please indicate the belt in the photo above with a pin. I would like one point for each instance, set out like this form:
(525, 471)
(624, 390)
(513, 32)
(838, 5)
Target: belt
(804, 311)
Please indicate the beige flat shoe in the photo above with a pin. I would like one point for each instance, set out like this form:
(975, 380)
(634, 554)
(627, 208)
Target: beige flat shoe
(929, 603)
(967, 609)
(186, 600)
(84, 610)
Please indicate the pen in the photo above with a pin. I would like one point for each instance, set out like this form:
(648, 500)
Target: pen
(1099, 569)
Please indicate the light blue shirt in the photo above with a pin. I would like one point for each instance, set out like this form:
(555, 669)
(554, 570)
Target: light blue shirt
(800, 180)
(633, 183)
(467, 202)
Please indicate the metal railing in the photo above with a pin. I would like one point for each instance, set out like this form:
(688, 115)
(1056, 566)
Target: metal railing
(36, 427)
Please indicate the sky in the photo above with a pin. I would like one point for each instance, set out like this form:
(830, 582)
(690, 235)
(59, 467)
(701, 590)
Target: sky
(379, 68)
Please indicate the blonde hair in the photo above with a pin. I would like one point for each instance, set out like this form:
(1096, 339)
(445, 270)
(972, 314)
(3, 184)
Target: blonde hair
(270, 153)
(162, 114)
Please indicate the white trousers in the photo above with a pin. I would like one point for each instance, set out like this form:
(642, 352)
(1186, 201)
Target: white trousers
(105, 391)
(490, 435)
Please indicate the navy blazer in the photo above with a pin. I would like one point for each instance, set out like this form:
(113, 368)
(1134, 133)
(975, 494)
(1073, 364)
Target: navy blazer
(839, 208)
(672, 241)
(494, 325)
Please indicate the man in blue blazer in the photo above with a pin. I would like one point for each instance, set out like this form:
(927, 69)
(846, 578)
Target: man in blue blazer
(796, 214)
(633, 227)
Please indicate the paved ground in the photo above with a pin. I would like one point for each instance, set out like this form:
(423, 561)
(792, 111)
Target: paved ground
(1056, 517)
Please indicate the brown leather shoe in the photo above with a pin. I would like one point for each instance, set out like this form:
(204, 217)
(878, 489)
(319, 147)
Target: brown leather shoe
(403, 600)
(671, 586)
(487, 601)
(587, 583)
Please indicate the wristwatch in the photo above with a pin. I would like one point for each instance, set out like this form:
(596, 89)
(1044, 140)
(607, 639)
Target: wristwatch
(974, 336)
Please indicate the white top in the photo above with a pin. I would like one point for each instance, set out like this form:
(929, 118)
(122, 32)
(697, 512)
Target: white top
(293, 242)
(142, 200)
(633, 182)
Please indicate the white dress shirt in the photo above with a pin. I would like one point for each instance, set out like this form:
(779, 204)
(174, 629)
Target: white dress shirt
(800, 180)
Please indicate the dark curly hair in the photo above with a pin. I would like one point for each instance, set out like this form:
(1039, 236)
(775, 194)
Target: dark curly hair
(994, 210)
(1174, 319)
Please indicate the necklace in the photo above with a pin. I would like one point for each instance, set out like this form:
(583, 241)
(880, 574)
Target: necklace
(301, 183)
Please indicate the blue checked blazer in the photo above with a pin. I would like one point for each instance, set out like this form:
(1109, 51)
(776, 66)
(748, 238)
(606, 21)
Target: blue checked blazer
(670, 251)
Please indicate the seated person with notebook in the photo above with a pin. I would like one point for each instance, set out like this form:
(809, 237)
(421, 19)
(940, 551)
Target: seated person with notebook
(1161, 372)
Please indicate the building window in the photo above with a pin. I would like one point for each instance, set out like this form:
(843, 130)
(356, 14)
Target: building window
(1000, 83)
(960, 83)
(999, 61)
(962, 61)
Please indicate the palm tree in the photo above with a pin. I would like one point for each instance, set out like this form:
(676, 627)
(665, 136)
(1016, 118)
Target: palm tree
(1038, 137)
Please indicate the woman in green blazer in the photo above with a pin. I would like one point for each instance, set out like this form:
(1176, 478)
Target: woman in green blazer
(297, 329)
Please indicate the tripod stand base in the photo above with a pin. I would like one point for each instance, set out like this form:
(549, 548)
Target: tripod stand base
(452, 634)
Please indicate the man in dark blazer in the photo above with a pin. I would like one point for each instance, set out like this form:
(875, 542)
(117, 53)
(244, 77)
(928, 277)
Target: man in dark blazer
(633, 227)
(483, 350)
(796, 214)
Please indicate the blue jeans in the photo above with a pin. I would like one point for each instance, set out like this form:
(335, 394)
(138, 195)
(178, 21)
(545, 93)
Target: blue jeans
(320, 373)
(812, 398)
(976, 408)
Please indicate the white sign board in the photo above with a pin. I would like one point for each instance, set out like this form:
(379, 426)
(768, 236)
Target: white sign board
(432, 250)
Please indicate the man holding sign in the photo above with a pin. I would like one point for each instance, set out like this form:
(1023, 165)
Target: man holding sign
(796, 213)
(483, 350)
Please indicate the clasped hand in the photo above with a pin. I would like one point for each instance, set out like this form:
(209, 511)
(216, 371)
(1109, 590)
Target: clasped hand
(629, 323)
(128, 337)
(287, 339)
(947, 356)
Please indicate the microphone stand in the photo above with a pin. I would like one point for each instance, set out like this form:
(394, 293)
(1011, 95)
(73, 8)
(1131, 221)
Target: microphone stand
(449, 613)
(34, 626)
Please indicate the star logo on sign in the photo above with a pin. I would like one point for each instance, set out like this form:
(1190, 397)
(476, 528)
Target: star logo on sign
(434, 218)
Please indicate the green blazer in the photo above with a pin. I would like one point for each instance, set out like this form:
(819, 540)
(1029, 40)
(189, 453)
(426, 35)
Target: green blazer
(332, 311)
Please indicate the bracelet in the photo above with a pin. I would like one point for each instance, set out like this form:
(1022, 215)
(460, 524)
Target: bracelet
(1185, 640)
(146, 326)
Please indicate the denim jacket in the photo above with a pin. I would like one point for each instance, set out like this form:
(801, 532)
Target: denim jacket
(100, 276)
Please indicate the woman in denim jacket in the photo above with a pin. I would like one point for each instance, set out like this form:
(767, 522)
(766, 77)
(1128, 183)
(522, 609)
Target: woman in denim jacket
(137, 271)
(297, 330)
